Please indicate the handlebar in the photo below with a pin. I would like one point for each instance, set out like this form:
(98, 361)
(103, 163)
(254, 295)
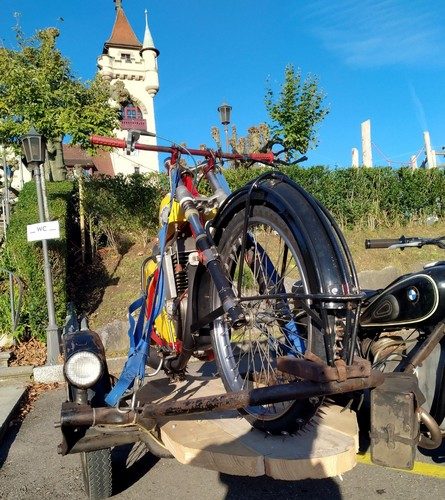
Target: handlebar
(382, 243)
(206, 153)
(404, 242)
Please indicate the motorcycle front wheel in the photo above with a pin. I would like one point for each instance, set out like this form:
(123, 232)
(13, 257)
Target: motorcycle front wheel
(270, 265)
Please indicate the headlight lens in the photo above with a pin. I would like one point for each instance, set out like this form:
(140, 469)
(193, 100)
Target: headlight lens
(83, 369)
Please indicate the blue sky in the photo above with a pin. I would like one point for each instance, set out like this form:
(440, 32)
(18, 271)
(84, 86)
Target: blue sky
(375, 59)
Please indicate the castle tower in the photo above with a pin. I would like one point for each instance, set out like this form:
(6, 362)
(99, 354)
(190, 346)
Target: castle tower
(124, 59)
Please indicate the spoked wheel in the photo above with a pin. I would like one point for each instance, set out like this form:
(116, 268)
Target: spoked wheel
(97, 473)
(272, 265)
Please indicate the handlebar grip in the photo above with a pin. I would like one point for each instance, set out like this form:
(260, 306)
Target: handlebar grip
(263, 157)
(383, 243)
(107, 141)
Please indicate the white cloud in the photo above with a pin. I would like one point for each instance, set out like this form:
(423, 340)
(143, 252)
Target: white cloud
(372, 33)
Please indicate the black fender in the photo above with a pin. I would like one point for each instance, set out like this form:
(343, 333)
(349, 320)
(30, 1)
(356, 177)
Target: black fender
(323, 248)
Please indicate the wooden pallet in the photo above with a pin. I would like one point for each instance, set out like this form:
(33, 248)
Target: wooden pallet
(225, 442)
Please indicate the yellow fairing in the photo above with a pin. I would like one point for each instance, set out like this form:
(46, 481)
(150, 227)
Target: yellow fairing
(164, 326)
(176, 212)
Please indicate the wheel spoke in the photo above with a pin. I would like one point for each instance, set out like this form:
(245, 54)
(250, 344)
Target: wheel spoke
(271, 267)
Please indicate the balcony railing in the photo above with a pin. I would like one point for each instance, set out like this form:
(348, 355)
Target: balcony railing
(138, 124)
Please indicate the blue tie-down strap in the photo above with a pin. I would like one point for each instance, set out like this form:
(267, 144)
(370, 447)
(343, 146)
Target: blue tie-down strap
(137, 353)
(139, 334)
(290, 329)
(139, 342)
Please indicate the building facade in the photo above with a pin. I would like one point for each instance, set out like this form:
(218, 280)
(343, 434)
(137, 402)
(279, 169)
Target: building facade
(133, 66)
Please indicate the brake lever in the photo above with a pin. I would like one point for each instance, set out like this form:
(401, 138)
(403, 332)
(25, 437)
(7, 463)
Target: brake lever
(440, 242)
(133, 136)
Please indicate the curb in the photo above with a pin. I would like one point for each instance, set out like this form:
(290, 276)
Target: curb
(11, 394)
(16, 372)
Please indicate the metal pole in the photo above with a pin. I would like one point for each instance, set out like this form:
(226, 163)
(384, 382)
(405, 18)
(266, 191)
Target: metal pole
(20, 164)
(6, 215)
(5, 188)
(52, 332)
(226, 133)
(44, 198)
(4, 219)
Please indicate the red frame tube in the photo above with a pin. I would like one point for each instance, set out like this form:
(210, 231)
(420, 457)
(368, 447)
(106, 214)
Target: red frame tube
(206, 153)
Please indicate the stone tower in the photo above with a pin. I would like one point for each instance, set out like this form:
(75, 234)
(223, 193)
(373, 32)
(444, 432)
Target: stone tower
(124, 59)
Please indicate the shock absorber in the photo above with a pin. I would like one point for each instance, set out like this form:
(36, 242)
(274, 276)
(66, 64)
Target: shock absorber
(180, 261)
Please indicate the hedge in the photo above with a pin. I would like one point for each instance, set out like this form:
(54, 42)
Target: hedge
(370, 197)
(365, 197)
(26, 260)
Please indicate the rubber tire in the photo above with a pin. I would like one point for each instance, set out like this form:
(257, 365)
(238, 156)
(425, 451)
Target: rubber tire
(300, 412)
(97, 473)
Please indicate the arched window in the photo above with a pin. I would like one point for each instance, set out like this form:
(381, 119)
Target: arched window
(131, 112)
(131, 117)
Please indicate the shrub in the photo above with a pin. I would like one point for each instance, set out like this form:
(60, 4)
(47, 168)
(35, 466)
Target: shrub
(26, 260)
(365, 197)
(120, 206)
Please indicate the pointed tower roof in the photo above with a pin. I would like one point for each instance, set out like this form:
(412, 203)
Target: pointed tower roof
(122, 35)
(148, 43)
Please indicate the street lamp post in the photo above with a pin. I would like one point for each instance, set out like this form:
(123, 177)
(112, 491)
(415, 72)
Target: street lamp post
(6, 220)
(224, 113)
(6, 188)
(33, 146)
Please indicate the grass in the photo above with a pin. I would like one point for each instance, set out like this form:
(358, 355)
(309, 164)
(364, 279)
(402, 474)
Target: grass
(122, 284)
(408, 260)
(123, 271)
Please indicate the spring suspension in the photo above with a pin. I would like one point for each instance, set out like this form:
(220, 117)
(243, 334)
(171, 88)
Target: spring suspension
(180, 261)
(388, 346)
(340, 329)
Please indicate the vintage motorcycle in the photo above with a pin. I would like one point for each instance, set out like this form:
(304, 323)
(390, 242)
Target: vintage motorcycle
(261, 280)
(402, 329)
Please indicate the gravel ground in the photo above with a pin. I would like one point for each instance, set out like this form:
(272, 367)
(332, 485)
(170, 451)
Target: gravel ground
(30, 468)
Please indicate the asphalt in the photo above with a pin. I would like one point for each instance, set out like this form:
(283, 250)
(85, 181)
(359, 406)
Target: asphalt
(138, 475)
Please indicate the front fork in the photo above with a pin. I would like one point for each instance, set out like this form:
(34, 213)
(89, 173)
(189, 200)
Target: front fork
(210, 258)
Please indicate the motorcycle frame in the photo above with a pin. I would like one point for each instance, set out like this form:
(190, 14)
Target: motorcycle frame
(314, 304)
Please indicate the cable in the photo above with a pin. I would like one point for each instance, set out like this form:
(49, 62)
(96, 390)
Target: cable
(389, 161)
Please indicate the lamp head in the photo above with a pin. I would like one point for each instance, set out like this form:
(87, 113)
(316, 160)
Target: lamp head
(224, 112)
(33, 145)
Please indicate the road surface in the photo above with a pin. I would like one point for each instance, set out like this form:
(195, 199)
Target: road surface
(30, 468)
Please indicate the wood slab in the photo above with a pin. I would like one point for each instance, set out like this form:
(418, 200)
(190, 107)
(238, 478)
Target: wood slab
(226, 442)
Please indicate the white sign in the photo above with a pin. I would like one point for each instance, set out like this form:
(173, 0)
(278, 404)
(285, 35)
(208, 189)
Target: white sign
(43, 231)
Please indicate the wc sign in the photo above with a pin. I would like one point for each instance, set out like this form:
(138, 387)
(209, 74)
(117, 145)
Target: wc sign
(43, 231)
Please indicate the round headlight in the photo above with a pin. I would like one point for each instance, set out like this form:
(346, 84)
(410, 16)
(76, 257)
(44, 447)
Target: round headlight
(83, 369)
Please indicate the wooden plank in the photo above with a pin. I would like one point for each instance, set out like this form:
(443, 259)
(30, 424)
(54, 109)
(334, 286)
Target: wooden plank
(202, 443)
(226, 442)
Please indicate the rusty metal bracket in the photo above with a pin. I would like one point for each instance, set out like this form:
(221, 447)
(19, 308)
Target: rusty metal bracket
(394, 422)
(83, 415)
(312, 368)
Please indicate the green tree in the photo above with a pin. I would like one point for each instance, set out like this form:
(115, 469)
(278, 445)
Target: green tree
(296, 113)
(37, 87)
